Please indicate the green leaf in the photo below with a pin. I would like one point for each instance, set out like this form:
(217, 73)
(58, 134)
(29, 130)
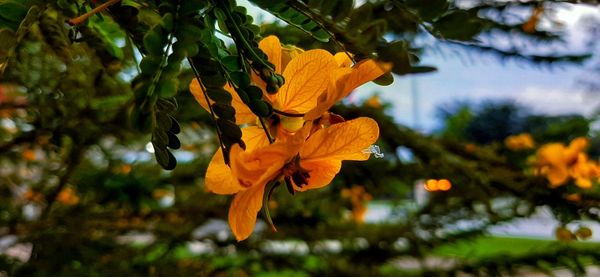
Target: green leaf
(224, 111)
(160, 137)
(167, 88)
(422, 69)
(397, 53)
(12, 11)
(153, 43)
(221, 20)
(254, 92)
(428, 9)
(260, 108)
(458, 25)
(175, 128)
(164, 157)
(229, 129)
(219, 95)
(385, 79)
(174, 142)
(231, 63)
(163, 121)
(294, 18)
(240, 79)
(149, 65)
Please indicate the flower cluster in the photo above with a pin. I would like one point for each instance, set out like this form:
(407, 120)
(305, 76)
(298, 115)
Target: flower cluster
(437, 185)
(519, 142)
(308, 143)
(560, 163)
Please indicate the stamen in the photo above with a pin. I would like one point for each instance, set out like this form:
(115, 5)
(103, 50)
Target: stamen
(375, 150)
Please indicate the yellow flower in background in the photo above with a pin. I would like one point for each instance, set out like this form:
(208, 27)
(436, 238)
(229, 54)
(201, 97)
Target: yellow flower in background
(584, 171)
(67, 196)
(560, 163)
(437, 185)
(359, 198)
(373, 102)
(519, 142)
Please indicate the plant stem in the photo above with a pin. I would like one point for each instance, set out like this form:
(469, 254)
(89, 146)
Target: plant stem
(82, 18)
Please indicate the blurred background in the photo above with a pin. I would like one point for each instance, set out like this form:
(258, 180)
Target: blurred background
(81, 193)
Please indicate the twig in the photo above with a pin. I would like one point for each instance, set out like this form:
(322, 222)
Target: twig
(72, 162)
(82, 18)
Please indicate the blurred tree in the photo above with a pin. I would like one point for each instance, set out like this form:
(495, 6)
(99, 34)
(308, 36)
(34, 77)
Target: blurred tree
(84, 106)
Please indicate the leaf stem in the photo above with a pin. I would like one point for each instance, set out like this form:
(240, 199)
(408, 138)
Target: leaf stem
(212, 112)
(82, 18)
(266, 196)
(288, 114)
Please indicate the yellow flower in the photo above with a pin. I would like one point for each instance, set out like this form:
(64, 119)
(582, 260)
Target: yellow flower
(307, 163)
(558, 163)
(359, 198)
(583, 171)
(437, 185)
(519, 142)
(373, 102)
(67, 196)
(305, 154)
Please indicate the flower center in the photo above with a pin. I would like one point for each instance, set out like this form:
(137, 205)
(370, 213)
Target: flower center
(293, 172)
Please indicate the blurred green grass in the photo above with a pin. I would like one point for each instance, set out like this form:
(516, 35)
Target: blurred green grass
(491, 246)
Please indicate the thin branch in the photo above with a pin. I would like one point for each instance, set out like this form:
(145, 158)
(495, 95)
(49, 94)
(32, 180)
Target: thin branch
(82, 18)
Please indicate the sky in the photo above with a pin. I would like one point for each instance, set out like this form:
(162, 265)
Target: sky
(477, 77)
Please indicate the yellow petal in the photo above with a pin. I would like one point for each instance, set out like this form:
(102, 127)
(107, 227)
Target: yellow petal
(551, 153)
(346, 80)
(342, 59)
(243, 114)
(219, 178)
(306, 77)
(578, 144)
(258, 167)
(584, 183)
(243, 211)
(289, 53)
(272, 47)
(342, 141)
(321, 173)
(557, 175)
(254, 137)
(331, 95)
